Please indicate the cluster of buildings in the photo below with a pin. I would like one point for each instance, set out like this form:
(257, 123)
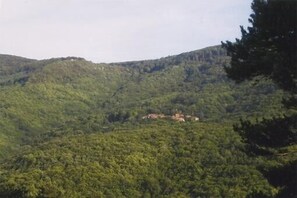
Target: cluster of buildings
(178, 117)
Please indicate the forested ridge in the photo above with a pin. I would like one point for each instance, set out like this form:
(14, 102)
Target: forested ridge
(73, 128)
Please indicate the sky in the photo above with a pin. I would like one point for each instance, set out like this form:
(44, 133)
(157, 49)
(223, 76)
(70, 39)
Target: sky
(117, 30)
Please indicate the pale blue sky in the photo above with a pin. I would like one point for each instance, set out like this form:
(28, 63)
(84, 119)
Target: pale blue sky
(117, 30)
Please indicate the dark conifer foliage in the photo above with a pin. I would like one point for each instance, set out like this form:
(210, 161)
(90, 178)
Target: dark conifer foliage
(270, 133)
(269, 48)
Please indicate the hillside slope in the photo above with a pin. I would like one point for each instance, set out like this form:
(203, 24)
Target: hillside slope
(149, 160)
(73, 128)
(75, 94)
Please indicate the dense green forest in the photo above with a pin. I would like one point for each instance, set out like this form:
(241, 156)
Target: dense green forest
(145, 160)
(73, 128)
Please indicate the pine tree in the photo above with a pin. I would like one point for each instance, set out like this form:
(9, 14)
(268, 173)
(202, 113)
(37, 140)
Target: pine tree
(269, 49)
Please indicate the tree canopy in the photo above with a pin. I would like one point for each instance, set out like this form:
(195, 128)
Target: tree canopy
(269, 46)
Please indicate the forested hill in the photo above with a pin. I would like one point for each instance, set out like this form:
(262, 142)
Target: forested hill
(50, 108)
(213, 55)
(39, 95)
(14, 61)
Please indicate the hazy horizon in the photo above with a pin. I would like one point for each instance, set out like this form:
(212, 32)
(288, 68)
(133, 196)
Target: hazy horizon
(117, 30)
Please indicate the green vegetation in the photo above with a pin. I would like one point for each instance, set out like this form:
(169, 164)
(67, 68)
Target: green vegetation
(163, 159)
(268, 48)
(72, 128)
(38, 96)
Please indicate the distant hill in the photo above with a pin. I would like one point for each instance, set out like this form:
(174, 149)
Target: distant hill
(73, 128)
(206, 55)
(39, 95)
